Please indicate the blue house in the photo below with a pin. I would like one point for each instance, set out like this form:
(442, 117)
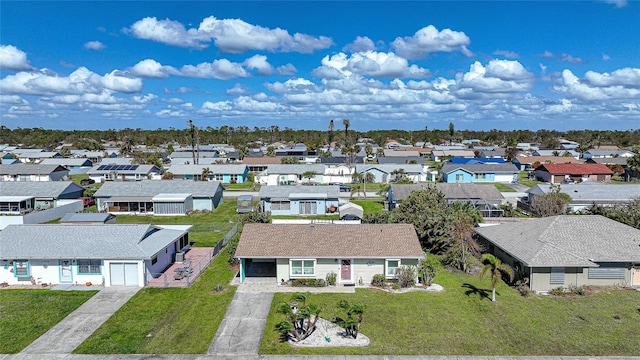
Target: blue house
(226, 174)
(467, 173)
(299, 200)
(463, 160)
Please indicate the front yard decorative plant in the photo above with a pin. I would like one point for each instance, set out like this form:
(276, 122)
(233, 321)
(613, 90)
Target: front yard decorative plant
(496, 269)
(300, 318)
(406, 276)
(352, 317)
(378, 280)
(332, 277)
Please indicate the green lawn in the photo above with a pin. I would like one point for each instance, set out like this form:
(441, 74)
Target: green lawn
(370, 206)
(247, 186)
(523, 178)
(459, 321)
(167, 321)
(501, 187)
(207, 229)
(27, 314)
(301, 217)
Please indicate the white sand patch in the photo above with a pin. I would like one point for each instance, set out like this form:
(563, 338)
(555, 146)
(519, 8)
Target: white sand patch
(335, 335)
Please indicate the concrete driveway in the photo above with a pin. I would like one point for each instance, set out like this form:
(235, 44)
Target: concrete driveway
(241, 329)
(66, 335)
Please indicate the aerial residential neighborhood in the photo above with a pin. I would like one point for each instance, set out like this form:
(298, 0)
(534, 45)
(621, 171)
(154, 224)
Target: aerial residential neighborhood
(264, 180)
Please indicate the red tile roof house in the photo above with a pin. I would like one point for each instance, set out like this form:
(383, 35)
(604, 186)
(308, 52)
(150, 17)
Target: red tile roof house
(555, 173)
(354, 252)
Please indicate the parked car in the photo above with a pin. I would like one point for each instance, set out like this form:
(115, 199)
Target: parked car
(567, 181)
(88, 201)
(87, 181)
(345, 188)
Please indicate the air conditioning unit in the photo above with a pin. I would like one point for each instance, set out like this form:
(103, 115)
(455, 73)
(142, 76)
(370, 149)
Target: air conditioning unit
(180, 257)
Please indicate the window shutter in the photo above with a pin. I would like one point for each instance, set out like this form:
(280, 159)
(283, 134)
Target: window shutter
(557, 275)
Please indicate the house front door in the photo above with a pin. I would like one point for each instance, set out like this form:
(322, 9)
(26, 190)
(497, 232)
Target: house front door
(345, 271)
(65, 271)
(636, 276)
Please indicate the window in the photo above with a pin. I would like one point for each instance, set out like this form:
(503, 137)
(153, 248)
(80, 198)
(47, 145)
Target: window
(234, 177)
(154, 260)
(90, 266)
(607, 271)
(391, 267)
(481, 176)
(459, 177)
(301, 268)
(281, 205)
(557, 275)
(21, 268)
(219, 177)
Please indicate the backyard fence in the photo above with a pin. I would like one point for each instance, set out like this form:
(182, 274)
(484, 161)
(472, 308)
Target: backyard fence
(190, 270)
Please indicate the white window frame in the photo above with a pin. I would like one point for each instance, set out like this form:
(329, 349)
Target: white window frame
(459, 177)
(302, 274)
(387, 268)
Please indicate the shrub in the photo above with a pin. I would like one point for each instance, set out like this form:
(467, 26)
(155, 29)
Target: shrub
(218, 287)
(395, 286)
(406, 276)
(558, 291)
(378, 280)
(308, 283)
(522, 286)
(576, 290)
(426, 273)
(331, 278)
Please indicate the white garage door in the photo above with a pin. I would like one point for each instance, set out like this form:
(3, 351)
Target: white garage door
(124, 274)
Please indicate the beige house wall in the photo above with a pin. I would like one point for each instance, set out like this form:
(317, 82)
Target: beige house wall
(541, 277)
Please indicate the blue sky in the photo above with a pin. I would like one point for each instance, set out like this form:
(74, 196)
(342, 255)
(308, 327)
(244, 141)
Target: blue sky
(406, 65)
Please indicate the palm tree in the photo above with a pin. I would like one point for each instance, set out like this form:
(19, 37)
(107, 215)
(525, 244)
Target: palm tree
(346, 124)
(496, 268)
(330, 135)
(367, 178)
(633, 165)
(308, 175)
(205, 174)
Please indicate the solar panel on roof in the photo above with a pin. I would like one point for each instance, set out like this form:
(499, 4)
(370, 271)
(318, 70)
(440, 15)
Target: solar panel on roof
(102, 167)
(134, 167)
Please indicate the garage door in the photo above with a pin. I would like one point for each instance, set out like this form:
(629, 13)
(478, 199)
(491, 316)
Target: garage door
(124, 274)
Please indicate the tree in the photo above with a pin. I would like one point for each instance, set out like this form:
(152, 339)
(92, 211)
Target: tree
(65, 152)
(398, 174)
(368, 150)
(566, 153)
(452, 131)
(628, 213)
(289, 160)
(205, 174)
(170, 149)
(550, 204)
(496, 269)
(309, 175)
(633, 166)
(300, 318)
(330, 134)
(354, 315)
(167, 176)
(271, 151)
(346, 123)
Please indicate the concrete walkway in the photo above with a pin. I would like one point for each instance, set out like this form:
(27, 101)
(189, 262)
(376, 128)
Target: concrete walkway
(65, 336)
(241, 329)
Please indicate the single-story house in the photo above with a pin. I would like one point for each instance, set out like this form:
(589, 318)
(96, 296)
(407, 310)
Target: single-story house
(161, 197)
(480, 160)
(385, 173)
(116, 161)
(97, 156)
(24, 197)
(556, 173)
(354, 252)
(102, 173)
(286, 174)
(622, 161)
(261, 163)
(564, 250)
(531, 162)
(587, 193)
(299, 199)
(557, 152)
(37, 156)
(603, 154)
(486, 198)
(25, 172)
(467, 173)
(441, 155)
(88, 218)
(110, 254)
(227, 174)
(75, 166)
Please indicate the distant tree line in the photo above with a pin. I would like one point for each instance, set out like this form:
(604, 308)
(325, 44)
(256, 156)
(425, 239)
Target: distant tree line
(244, 138)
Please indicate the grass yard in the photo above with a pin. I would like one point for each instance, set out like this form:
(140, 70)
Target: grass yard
(501, 187)
(27, 314)
(370, 206)
(167, 321)
(306, 217)
(523, 178)
(461, 321)
(207, 229)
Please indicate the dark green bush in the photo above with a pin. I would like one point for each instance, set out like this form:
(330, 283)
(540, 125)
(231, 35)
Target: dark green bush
(308, 283)
(332, 278)
(558, 291)
(576, 290)
(378, 280)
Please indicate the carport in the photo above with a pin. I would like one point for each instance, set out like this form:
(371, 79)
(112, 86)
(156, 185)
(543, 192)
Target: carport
(259, 267)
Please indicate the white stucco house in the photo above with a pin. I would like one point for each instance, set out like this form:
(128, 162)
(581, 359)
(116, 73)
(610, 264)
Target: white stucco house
(109, 254)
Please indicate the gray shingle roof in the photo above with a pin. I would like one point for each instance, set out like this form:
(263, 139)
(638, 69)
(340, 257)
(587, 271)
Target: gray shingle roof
(39, 189)
(389, 168)
(592, 191)
(214, 169)
(141, 169)
(481, 168)
(566, 240)
(151, 188)
(329, 241)
(86, 217)
(72, 241)
(67, 162)
(283, 191)
(451, 191)
(25, 169)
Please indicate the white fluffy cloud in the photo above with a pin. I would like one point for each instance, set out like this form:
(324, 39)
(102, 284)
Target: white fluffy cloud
(221, 69)
(12, 58)
(429, 40)
(78, 82)
(370, 63)
(259, 63)
(499, 76)
(229, 35)
(150, 68)
(620, 84)
(360, 44)
(506, 53)
(94, 45)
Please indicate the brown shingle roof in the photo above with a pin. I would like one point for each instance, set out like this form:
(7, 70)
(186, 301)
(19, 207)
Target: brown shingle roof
(550, 159)
(329, 240)
(573, 169)
(263, 160)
